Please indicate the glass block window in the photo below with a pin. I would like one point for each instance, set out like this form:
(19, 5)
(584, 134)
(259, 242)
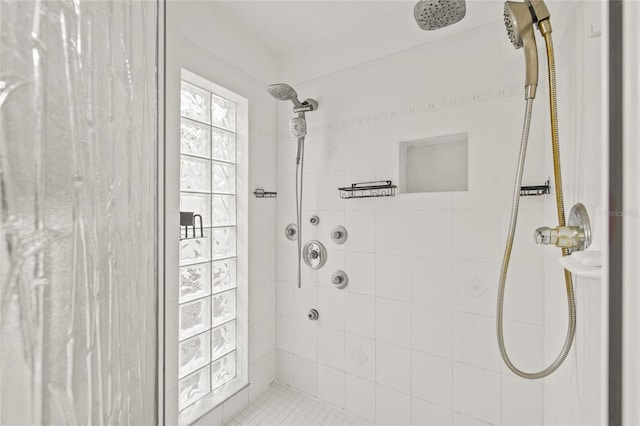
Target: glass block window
(207, 289)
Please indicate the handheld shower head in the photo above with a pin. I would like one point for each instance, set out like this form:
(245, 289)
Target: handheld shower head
(284, 92)
(518, 21)
(298, 127)
(435, 14)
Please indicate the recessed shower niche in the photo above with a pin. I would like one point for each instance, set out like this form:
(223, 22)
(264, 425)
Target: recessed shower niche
(434, 164)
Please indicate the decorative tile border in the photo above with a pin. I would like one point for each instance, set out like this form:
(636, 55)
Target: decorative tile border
(421, 109)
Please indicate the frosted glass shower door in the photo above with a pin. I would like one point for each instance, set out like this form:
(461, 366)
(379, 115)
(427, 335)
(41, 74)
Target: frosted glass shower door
(78, 238)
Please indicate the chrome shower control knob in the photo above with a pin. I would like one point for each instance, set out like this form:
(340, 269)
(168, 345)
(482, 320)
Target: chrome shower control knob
(314, 254)
(575, 236)
(313, 315)
(339, 279)
(546, 235)
(314, 220)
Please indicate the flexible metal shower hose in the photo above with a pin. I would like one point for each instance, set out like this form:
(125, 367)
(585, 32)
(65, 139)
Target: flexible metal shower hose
(571, 329)
(299, 172)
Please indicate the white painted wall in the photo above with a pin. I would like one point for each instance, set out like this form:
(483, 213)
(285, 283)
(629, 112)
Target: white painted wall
(423, 268)
(201, 41)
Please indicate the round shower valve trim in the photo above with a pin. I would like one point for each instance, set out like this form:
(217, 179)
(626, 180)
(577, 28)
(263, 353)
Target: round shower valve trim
(339, 234)
(314, 254)
(339, 279)
(291, 232)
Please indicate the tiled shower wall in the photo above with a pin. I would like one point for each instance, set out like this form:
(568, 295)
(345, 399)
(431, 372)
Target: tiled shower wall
(412, 337)
(576, 393)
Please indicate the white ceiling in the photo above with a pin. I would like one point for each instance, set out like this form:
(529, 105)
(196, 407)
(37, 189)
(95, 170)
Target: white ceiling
(287, 26)
(311, 38)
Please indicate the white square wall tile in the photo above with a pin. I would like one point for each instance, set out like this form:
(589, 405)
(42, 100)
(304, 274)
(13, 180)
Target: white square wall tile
(432, 201)
(328, 195)
(474, 341)
(393, 367)
(526, 343)
(331, 385)
(525, 251)
(477, 236)
(431, 234)
(425, 413)
(331, 306)
(360, 154)
(475, 287)
(432, 378)
(259, 340)
(284, 367)
(393, 277)
(305, 339)
(360, 356)
(462, 420)
(360, 397)
(284, 299)
(287, 262)
(477, 393)
(284, 334)
(393, 232)
(305, 375)
(304, 299)
(524, 295)
(260, 375)
(331, 347)
(335, 262)
(329, 219)
(361, 226)
(362, 272)
(360, 314)
(431, 282)
(392, 407)
(393, 322)
(432, 330)
(522, 401)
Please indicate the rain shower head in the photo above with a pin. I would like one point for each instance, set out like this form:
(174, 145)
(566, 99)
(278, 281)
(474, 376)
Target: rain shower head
(435, 14)
(283, 92)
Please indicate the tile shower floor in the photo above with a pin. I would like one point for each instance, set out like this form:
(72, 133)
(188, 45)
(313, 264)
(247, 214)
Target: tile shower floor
(282, 405)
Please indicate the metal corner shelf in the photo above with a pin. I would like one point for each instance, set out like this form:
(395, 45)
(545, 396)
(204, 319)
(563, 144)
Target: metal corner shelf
(381, 188)
(261, 193)
(529, 191)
